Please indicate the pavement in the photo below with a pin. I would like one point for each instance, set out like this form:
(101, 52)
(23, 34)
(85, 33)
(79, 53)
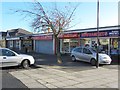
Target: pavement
(51, 75)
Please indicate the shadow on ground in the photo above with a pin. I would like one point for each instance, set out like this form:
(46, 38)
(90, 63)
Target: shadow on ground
(17, 68)
(68, 64)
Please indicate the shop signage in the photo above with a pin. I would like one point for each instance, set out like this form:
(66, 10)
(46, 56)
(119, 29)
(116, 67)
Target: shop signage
(14, 38)
(109, 33)
(26, 38)
(114, 33)
(69, 35)
(43, 37)
(94, 34)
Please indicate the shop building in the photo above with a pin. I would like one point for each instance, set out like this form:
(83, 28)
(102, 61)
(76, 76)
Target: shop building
(26, 42)
(13, 38)
(108, 39)
(68, 41)
(44, 43)
(13, 43)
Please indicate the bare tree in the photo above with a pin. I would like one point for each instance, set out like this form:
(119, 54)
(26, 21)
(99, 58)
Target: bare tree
(57, 21)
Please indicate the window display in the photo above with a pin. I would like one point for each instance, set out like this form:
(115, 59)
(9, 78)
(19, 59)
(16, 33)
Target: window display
(65, 45)
(69, 44)
(74, 43)
(104, 45)
(114, 46)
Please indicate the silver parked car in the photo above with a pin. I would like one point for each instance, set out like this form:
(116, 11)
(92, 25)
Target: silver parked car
(88, 54)
(11, 58)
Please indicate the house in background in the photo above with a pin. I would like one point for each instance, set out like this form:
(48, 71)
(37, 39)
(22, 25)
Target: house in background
(13, 40)
(2, 39)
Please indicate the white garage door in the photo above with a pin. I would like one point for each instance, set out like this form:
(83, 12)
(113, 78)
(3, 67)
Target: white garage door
(44, 46)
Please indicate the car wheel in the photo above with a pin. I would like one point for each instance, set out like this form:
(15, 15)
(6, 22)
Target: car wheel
(93, 62)
(25, 64)
(73, 58)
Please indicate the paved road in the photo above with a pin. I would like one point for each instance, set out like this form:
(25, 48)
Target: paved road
(9, 81)
(68, 64)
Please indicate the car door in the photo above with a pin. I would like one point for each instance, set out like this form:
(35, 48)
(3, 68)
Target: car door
(80, 54)
(87, 54)
(9, 58)
(77, 53)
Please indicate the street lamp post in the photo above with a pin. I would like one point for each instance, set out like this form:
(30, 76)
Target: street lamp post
(97, 55)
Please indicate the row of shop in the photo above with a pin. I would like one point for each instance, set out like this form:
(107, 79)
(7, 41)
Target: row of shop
(44, 43)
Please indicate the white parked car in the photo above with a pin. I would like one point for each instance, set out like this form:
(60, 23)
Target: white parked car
(88, 54)
(11, 58)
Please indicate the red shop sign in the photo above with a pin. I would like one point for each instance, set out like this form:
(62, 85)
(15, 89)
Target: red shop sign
(44, 37)
(69, 35)
(94, 34)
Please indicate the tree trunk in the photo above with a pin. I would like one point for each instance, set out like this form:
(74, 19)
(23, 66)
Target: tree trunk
(59, 59)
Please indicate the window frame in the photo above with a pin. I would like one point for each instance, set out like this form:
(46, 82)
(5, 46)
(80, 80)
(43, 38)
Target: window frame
(86, 51)
(9, 54)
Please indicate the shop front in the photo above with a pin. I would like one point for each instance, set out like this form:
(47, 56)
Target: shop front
(68, 41)
(13, 43)
(44, 44)
(26, 44)
(108, 42)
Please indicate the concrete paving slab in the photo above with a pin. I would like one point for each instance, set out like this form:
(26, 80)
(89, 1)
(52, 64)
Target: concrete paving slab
(35, 85)
(70, 82)
(111, 85)
(54, 78)
(50, 86)
(51, 80)
(42, 81)
(59, 84)
(80, 86)
(30, 80)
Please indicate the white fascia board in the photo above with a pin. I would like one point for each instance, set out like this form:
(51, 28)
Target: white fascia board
(13, 38)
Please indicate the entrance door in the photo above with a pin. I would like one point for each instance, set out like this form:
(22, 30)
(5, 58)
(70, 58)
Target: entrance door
(87, 55)
(104, 45)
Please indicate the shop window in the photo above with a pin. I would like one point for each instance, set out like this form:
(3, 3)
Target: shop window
(17, 44)
(66, 46)
(103, 45)
(74, 43)
(114, 46)
(11, 44)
